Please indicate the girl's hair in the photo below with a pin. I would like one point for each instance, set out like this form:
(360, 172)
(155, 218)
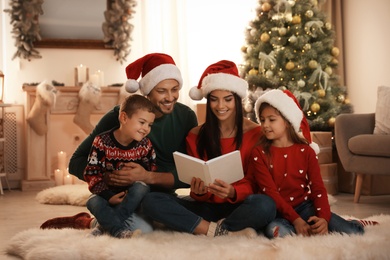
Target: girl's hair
(136, 102)
(208, 142)
(292, 134)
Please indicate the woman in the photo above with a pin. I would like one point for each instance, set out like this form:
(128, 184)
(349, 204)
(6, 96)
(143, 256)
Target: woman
(219, 208)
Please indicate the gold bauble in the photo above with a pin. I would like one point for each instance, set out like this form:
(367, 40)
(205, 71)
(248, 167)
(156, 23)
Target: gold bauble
(321, 93)
(313, 64)
(347, 101)
(328, 70)
(315, 107)
(309, 13)
(244, 49)
(253, 72)
(282, 31)
(266, 7)
(334, 61)
(335, 51)
(264, 37)
(296, 19)
(331, 121)
(290, 65)
(341, 98)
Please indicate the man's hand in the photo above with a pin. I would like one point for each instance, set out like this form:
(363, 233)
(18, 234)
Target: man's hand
(117, 198)
(130, 173)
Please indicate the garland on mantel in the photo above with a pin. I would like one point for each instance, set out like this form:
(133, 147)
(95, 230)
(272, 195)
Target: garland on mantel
(117, 29)
(25, 20)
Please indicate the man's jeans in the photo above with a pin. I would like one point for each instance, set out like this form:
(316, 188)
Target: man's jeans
(121, 217)
(185, 215)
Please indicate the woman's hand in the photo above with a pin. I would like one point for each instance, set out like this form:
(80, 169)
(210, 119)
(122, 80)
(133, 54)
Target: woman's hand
(130, 173)
(301, 227)
(198, 187)
(319, 226)
(222, 189)
(117, 198)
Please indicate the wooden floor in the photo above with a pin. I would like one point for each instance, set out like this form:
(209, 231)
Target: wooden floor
(20, 211)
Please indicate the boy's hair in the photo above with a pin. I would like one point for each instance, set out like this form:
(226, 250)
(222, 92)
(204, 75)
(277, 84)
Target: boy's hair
(136, 102)
(292, 134)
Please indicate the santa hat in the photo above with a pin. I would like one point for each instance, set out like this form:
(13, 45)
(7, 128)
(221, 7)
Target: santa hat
(286, 103)
(222, 75)
(153, 68)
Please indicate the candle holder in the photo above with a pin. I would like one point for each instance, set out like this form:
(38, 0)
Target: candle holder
(81, 75)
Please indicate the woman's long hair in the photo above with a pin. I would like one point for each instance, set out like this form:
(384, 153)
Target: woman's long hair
(292, 134)
(208, 142)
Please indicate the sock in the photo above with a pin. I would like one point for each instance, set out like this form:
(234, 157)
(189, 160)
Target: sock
(79, 221)
(45, 98)
(276, 231)
(89, 97)
(366, 223)
(212, 228)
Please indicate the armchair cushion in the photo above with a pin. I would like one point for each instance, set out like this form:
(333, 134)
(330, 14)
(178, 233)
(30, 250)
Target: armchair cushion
(370, 145)
(382, 112)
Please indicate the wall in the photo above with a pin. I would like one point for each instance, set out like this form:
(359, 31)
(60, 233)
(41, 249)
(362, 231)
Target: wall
(366, 50)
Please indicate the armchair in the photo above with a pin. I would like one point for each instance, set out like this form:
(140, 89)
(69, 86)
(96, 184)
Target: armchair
(361, 151)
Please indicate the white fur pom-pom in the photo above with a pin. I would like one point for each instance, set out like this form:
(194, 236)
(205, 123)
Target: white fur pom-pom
(315, 147)
(195, 93)
(131, 86)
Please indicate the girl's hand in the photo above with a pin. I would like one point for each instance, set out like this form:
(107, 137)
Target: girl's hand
(319, 226)
(198, 187)
(301, 227)
(117, 198)
(222, 189)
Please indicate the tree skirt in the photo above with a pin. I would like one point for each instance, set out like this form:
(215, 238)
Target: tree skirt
(75, 244)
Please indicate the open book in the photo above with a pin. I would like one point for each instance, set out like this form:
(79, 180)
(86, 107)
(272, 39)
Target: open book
(227, 167)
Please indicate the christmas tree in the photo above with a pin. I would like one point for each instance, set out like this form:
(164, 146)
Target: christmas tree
(290, 45)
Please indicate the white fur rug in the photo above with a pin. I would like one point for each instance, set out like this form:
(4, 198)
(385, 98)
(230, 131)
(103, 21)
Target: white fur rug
(76, 195)
(74, 244)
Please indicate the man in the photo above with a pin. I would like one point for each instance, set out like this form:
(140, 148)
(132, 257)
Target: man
(161, 82)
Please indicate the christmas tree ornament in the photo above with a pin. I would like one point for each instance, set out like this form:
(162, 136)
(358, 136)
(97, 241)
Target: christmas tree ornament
(253, 72)
(282, 31)
(269, 73)
(293, 39)
(315, 107)
(321, 93)
(313, 64)
(264, 37)
(266, 7)
(331, 121)
(309, 13)
(335, 51)
(341, 98)
(301, 83)
(307, 46)
(328, 70)
(296, 19)
(328, 26)
(347, 101)
(290, 65)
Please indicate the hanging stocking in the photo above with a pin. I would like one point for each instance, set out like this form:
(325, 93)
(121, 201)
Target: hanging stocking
(89, 97)
(46, 96)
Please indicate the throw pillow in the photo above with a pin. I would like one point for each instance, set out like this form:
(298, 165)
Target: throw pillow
(382, 113)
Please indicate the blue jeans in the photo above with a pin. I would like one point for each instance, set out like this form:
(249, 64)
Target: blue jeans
(184, 215)
(306, 210)
(118, 218)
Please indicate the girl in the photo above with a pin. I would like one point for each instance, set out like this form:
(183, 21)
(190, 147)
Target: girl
(285, 167)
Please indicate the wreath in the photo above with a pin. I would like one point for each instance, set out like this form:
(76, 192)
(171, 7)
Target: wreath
(25, 20)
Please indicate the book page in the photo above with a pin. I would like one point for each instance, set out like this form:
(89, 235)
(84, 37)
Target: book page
(227, 167)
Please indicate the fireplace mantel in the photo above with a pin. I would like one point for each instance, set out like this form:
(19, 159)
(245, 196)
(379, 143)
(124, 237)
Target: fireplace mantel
(39, 170)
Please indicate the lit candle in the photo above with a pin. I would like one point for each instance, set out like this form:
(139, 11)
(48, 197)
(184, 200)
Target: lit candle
(82, 73)
(95, 80)
(58, 177)
(101, 78)
(62, 160)
(68, 179)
